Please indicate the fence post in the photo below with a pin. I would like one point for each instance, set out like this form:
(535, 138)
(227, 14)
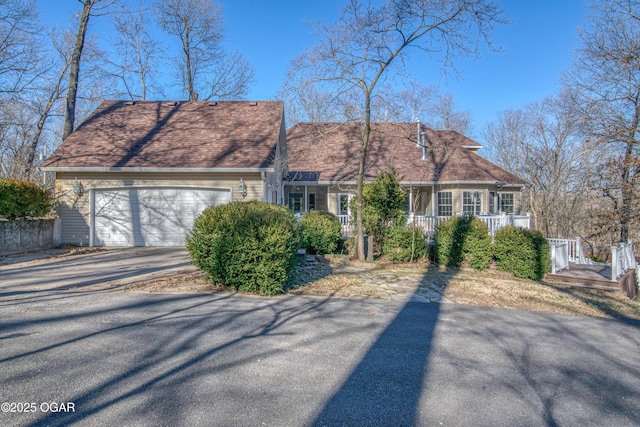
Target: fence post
(553, 258)
(614, 263)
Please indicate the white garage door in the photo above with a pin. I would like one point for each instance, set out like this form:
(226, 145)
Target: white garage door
(150, 216)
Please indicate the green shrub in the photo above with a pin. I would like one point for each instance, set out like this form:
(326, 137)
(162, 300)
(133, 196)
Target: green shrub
(250, 246)
(463, 239)
(382, 206)
(321, 232)
(523, 253)
(20, 198)
(478, 248)
(399, 242)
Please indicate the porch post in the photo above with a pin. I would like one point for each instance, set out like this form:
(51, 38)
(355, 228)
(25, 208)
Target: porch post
(433, 200)
(306, 202)
(411, 210)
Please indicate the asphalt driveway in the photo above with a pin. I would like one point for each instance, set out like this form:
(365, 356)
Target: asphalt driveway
(108, 268)
(113, 358)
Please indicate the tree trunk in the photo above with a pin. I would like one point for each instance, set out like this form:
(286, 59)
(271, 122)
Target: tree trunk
(627, 178)
(54, 95)
(193, 96)
(70, 116)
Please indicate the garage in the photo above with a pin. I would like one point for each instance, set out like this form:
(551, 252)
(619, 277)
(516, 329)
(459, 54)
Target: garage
(149, 216)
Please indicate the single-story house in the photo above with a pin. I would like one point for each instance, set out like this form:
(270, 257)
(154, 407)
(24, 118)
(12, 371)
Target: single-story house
(139, 173)
(440, 170)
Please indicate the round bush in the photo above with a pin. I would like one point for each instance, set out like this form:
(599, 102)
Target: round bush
(399, 241)
(523, 253)
(477, 247)
(250, 246)
(20, 198)
(321, 232)
(464, 239)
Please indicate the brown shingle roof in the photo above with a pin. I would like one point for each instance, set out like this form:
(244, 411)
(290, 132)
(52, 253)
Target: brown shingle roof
(330, 152)
(162, 134)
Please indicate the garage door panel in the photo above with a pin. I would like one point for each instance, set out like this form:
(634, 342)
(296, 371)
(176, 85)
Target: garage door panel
(150, 216)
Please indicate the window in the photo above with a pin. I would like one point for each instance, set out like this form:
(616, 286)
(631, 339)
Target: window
(312, 201)
(471, 202)
(445, 203)
(295, 202)
(507, 203)
(343, 204)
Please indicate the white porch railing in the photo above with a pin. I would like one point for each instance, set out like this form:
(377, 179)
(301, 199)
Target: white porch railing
(576, 255)
(622, 259)
(346, 226)
(560, 255)
(430, 223)
(494, 222)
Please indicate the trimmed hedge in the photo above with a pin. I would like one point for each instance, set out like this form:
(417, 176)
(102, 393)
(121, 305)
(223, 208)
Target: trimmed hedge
(250, 246)
(523, 253)
(397, 244)
(321, 232)
(20, 198)
(464, 239)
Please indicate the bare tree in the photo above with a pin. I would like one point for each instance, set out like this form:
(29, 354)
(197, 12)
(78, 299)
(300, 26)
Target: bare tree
(445, 114)
(371, 43)
(89, 7)
(544, 144)
(405, 104)
(19, 47)
(136, 58)
(203, 65)
(606, 74)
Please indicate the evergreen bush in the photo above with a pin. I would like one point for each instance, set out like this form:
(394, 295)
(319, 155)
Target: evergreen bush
(382, 206)
(461, 239)
(321, 232)
(250, 246)
(523, 253)
(20, 198)
(405, 244)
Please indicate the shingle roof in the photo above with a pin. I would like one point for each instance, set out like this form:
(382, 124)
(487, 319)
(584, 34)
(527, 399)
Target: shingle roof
(332, 152)
(162, 134)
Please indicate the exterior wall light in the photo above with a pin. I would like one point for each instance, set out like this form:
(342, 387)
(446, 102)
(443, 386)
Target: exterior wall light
(78, 189)
(242, 188)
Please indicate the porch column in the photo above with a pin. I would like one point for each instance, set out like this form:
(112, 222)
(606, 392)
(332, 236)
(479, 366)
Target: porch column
(306, 203)
(411, 209)
(433, 200)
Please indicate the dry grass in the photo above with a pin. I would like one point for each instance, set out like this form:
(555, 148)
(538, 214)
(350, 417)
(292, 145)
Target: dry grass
(499, 290)
(465, 286)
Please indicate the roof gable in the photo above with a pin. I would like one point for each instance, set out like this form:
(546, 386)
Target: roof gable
(161, 134)
(331, 152)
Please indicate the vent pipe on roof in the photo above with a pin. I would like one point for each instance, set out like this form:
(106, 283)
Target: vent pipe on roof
(421, 142)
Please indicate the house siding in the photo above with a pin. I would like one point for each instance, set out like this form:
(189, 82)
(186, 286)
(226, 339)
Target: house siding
(75, 210)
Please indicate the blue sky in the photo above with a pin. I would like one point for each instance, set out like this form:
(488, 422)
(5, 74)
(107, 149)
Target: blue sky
(536, 47)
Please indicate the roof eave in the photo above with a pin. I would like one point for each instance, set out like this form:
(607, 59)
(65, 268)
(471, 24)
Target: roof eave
(153, 169)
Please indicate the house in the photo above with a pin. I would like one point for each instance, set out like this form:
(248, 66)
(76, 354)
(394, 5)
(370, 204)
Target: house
(139, 173)
(440, 170)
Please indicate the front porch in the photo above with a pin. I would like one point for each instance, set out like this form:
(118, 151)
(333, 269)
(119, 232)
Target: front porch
(429, 224)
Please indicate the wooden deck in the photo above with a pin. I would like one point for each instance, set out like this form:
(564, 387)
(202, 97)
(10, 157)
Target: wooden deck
(595, 277)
